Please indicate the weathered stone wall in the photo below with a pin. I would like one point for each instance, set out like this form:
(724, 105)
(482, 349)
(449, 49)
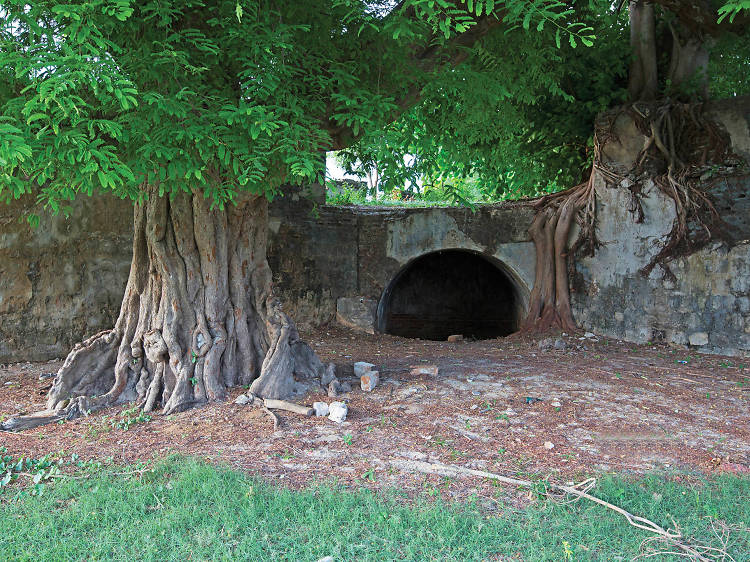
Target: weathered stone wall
(63, 280)
(708, 306)
(336, 262)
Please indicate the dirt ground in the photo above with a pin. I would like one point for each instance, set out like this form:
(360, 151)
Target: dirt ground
(605, 406)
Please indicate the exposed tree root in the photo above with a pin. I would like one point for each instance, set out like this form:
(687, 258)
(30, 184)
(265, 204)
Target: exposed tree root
(197, 318)
(549, 302)
(682, 145)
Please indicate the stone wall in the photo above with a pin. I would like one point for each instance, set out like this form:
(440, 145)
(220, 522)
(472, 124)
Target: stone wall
(708, 306)
(337, 262)
(64, 281)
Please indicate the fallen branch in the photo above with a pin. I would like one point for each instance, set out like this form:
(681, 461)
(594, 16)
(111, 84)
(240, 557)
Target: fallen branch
(447, 470)
(289, 407)
(274, 417)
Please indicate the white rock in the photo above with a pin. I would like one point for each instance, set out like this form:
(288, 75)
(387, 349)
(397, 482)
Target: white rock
(337, 411)
(361, 367)
(556, 404)
(369, 381)
(242, 399)
(549, 445)
(589, 335)
(321, 408)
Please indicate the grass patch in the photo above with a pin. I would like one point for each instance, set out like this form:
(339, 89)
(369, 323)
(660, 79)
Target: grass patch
(186, 509)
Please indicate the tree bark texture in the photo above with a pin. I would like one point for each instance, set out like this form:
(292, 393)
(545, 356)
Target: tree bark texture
(197, 318)
(643, 82)
(549, 302)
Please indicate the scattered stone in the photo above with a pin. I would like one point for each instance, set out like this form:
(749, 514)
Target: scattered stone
(369, 381)
(619, 316)
(549, 445)
(556, 404)
(321, 408)
(47, 376)
(476, 393)
(337, 411)
(546, 344)
(560, 344)
(345, 387)
(242, 399)
(425, 370)
(698, 338)
(455, 338)
(361, 367)
(334, 388)
(589, 335)
(357, 313)
(329, 375)
(326, 559)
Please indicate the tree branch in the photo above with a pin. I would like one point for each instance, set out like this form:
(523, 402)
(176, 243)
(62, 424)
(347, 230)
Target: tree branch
(423, 60)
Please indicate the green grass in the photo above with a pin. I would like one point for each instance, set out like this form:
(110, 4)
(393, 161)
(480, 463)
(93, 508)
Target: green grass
(188, 510)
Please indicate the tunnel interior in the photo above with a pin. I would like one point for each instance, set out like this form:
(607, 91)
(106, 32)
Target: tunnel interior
(450, 292)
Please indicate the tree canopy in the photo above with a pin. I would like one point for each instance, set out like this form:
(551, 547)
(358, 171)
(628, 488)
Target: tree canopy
(244, 95)
(517, 118)
(222, 96)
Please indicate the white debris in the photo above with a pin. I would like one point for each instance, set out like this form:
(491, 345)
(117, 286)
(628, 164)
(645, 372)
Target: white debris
(337, 411)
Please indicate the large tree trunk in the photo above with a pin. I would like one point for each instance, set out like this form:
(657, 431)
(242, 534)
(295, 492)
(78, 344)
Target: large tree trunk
(689, 60)
(198, 317)
(643, 82)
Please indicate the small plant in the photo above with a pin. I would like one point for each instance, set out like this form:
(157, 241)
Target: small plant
(567, 551)
(440, 442)
(129, 418)
(369, 474)
(347, 438)
(38, 471)
(386, 421)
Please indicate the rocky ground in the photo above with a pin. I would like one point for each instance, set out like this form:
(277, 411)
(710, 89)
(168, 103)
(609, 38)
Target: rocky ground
(560, 408)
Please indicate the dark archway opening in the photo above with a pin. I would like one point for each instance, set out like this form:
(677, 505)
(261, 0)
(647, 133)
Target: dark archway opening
(450, 292)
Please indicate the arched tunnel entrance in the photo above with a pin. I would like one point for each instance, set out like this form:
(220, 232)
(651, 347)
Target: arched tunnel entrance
(451, 292)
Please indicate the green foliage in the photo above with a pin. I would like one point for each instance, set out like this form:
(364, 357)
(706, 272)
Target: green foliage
(245, 95)
(89, 518)
(32, 475)
(116, 95)
(515, 120)
(129, 417)
(732, 8)
(729, 67)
